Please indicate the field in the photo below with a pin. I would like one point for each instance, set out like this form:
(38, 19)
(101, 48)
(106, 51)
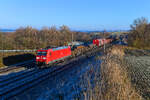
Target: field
(139, 69)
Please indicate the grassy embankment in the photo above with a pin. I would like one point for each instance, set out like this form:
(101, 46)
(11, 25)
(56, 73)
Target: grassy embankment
(115, 81)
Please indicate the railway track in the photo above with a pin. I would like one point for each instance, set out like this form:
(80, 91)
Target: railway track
(14, 85)
(6, 81)
(29, 64)
(8, 69)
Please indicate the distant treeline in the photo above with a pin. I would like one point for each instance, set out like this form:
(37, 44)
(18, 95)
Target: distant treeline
(139, 36)
(31, 38)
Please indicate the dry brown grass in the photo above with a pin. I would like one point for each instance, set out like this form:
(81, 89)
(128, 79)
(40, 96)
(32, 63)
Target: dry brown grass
(115, 83)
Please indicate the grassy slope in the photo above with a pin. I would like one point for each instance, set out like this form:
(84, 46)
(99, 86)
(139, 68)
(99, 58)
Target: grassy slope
(115, 83)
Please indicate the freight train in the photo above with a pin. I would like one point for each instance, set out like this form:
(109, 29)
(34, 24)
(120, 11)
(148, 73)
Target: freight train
(50, 56)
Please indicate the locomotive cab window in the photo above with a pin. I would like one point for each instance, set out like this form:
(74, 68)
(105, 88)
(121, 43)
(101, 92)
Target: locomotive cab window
(41, 53)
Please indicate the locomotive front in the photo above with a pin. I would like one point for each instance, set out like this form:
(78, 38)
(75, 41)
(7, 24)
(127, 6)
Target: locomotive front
(41, 57)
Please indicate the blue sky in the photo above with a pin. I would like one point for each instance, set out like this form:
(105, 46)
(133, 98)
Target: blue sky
(77, 14)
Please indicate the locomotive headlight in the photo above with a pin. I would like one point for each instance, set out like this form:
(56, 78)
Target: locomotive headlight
(44, 57)
(37, 57)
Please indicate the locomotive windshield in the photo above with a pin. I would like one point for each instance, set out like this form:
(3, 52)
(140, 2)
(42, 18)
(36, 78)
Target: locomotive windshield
(41, 53)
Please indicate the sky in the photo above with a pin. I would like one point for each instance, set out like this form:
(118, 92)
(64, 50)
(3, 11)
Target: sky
(76, 14)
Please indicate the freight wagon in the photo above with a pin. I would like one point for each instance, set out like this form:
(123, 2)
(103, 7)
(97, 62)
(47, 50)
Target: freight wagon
(52, 55)
(101, 42)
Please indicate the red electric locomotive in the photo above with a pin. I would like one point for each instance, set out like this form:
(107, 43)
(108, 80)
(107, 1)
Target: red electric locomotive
(53, 55)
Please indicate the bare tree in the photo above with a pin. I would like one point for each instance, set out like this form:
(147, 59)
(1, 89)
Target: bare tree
(138, 36)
